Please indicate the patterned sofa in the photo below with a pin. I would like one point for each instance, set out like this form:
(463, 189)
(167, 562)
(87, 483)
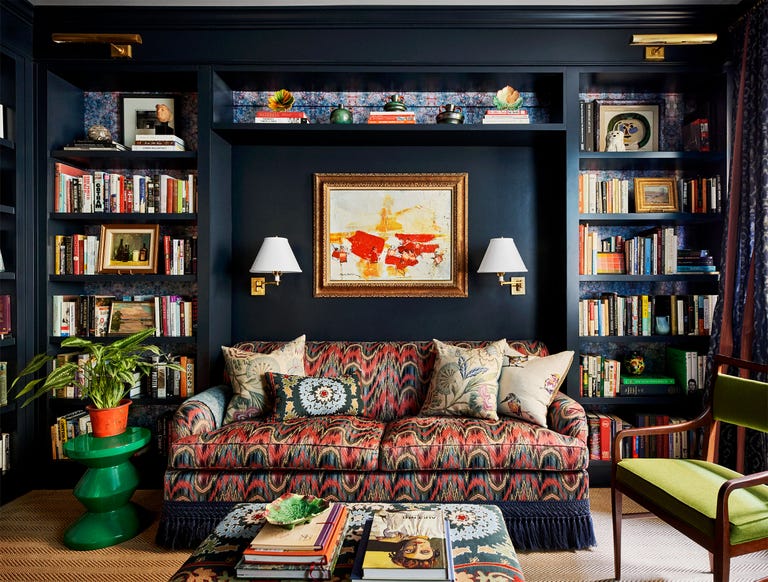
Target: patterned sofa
(536, 475)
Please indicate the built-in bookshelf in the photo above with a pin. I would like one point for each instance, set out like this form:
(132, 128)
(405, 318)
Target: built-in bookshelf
(648, 228)
(123, 240)
(15, 298)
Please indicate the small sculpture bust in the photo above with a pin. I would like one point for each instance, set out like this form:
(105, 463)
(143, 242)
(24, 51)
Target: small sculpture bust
(163, 113)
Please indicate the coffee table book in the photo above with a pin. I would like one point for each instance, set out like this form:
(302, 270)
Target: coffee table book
(311, 543)
(395, 542)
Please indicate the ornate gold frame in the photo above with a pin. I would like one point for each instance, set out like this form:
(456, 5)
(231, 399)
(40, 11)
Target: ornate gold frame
(664, 199)
(455, 185)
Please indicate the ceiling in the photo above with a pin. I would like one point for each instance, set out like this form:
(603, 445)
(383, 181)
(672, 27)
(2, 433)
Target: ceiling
(341, 3)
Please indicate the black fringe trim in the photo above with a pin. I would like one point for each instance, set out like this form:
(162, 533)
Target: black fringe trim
(532, 525)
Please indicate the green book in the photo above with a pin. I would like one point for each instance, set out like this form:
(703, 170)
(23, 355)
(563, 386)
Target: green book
(648, 379)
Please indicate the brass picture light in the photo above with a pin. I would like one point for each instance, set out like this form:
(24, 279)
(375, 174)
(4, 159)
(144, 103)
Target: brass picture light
(119, 44)
(654, 43)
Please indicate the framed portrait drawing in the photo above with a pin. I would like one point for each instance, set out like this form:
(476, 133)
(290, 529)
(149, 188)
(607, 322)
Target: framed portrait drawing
(128, 248)
(390, 235)
(146, 114)
(127, 317)
(656, 195)
(638, 123)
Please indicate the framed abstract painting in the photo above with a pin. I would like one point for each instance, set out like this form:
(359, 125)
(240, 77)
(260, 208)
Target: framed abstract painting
(390, 235)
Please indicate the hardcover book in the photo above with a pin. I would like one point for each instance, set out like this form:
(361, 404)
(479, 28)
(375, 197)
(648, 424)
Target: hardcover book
(407, 545)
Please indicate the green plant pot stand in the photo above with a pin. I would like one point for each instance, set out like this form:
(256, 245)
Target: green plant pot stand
(106, 489)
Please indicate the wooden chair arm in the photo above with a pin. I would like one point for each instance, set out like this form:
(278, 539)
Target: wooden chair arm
(721, 519)
(721, 360)
(704, 419)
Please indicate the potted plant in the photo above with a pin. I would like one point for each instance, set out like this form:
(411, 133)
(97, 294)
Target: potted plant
(105, 377)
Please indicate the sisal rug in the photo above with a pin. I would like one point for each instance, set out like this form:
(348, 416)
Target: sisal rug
(31, 529)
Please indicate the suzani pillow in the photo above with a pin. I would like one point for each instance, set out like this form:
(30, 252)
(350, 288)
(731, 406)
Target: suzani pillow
(528, 385)
(301, 396)
(465, 382)
(246, 373)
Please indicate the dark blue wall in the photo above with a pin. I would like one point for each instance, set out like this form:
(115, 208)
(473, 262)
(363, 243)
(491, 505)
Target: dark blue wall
(507, 196)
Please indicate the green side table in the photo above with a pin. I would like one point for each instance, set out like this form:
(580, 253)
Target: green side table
(106, 489)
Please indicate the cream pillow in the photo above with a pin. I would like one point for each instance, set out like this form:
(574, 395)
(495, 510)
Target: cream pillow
(246, 373)
(465, 382)
(528, 385)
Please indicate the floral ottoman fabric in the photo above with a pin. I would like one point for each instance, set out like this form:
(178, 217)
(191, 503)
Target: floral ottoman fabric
(482, 549)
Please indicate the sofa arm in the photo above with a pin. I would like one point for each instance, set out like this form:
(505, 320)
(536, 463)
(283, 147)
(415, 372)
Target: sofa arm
(201, 413)
(567, 417)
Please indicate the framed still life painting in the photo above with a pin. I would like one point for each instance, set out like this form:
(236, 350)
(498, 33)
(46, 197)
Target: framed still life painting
(390, 235)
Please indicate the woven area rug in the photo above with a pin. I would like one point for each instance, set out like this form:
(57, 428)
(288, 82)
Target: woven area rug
(32, 527)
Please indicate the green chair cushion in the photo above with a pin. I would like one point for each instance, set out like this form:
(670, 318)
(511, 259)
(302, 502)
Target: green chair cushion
(688, 489)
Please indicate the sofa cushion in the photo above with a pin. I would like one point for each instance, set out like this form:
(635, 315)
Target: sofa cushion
(465, 382)
(328, 442)
(528, 385)
(449, 444)
(298, 396)
(246, 371)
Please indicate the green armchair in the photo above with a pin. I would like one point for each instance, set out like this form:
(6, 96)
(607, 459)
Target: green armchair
(718, 508)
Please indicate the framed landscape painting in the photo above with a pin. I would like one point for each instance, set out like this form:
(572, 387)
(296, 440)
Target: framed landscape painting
(390, 235)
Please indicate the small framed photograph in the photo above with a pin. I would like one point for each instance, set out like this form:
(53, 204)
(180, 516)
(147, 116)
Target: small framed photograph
(639, 124)
(128, 317)
(656, 195)
(128, 248)
(147, 115)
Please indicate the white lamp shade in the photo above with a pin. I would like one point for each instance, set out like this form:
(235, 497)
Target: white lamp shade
(274, 255)
(502, 256)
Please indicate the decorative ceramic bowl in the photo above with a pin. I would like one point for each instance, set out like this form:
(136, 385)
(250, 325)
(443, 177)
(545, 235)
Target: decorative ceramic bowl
(292, 509)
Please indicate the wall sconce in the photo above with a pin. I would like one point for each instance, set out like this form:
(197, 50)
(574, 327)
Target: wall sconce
(275, 256)
(654, 43)
(119, 44)
(501, 257)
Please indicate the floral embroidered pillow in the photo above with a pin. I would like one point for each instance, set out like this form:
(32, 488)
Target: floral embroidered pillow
(465, 382)
(528, 385)
(246, 373)
(302, 396)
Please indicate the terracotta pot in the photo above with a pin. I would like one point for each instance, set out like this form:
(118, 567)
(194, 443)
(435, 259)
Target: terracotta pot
(109, 421)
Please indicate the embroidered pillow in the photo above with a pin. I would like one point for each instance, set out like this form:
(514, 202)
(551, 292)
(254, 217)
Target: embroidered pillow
(246, 373)
(528, 385)
(465, 382)
(301, 396)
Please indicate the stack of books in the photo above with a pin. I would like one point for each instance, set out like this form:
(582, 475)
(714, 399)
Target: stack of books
(308, 551)
(158, 143)
(506, 116)
(695, 261)
(90, 144)
(405, 117)
(648, 385)
(409, 544)
(281, 117)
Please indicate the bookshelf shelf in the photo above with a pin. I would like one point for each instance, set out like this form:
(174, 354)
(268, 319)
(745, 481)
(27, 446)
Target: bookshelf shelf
(631, 339)
(416, 134)
(127, 159)
(651, 218)
(131, 217)
(691, 277)
(113, 278)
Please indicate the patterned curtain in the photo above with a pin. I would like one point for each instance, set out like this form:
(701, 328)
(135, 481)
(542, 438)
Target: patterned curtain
(741, 318)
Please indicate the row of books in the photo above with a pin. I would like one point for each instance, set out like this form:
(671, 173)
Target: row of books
(599, 194)
(5, 452)
(162, 381)
(78, 254)
(601, 376)
(6, 326)
(84, 191)
(612, 314)
(603, 428)
(67, 427)
(104, 315)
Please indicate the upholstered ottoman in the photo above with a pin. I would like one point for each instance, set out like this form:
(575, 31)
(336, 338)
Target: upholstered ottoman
(482, 549)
